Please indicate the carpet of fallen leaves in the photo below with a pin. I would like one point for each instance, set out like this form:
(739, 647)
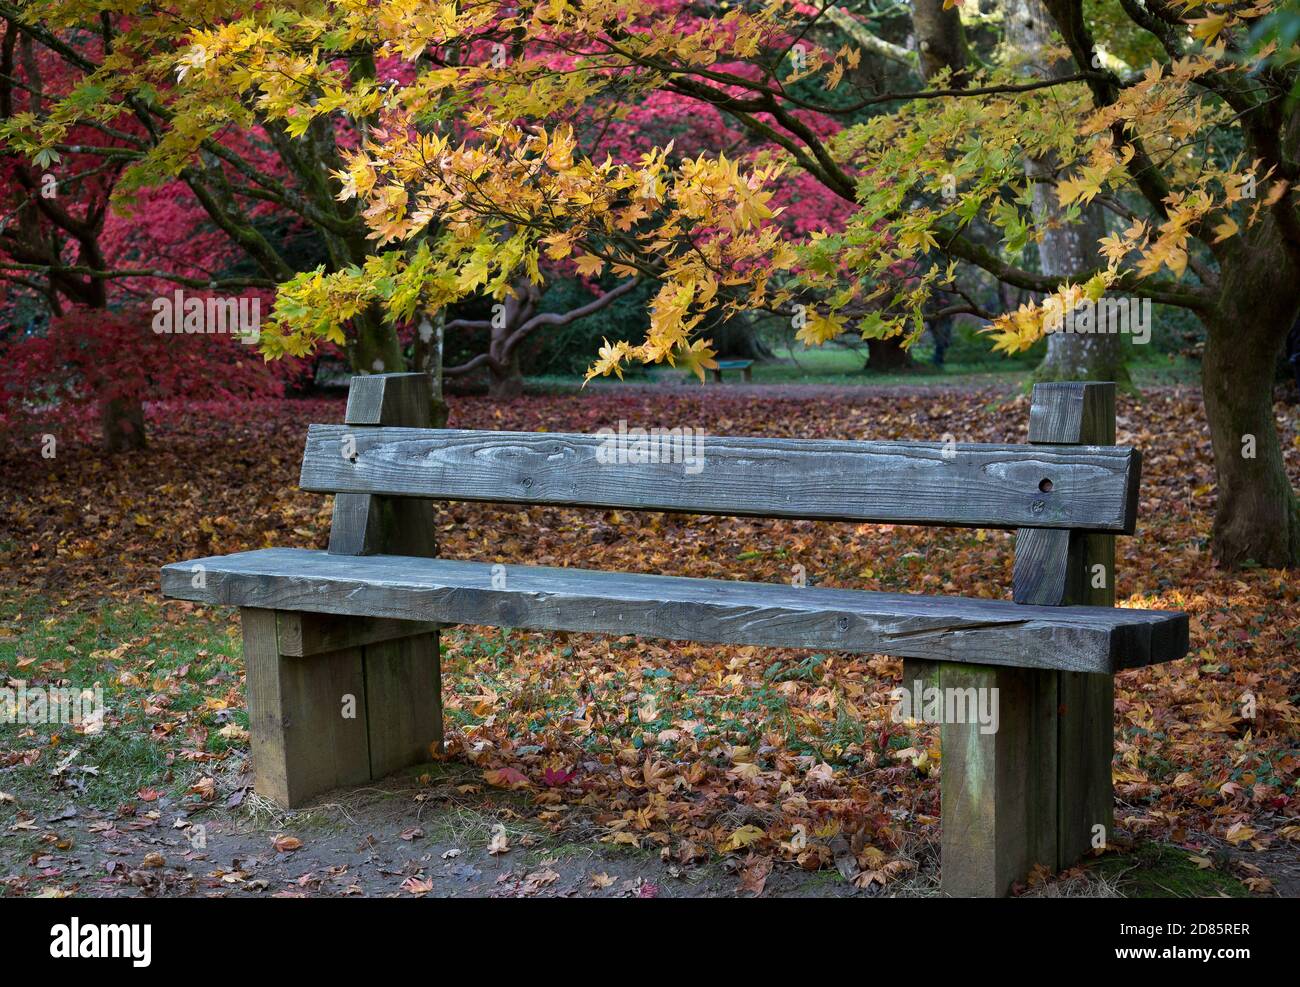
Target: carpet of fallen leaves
(697, 749)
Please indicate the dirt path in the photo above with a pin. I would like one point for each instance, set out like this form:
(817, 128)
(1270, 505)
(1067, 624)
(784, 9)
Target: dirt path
(407, 836)
(435, 834)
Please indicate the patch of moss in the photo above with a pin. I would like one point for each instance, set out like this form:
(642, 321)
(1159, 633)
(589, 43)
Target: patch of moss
(1159, 870)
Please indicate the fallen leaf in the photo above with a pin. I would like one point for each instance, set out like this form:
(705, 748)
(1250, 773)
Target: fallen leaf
(743, 837)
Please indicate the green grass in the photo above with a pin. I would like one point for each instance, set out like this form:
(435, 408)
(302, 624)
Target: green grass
(842, 366)
(153, 673)
(1158, 870)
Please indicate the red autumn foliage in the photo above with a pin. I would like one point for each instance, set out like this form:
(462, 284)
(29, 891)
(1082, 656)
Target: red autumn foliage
(92, 356)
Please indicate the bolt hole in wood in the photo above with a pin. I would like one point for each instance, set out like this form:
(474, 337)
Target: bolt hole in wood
(1045, 485)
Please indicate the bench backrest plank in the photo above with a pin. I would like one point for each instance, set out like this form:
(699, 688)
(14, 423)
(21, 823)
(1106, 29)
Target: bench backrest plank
(1085, 488)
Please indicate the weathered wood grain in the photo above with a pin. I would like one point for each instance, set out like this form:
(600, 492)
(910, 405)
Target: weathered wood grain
(404, 698)
(1043, 571)
(403, 675)
(1077, 413)
(997, 791)
(918, 672)
(1038, 807)
(390, 399)
(1072, 413)
(996, 486)
(956, 629)
(1053, 568)
(305, 634)
(301, 742)
(366, 525)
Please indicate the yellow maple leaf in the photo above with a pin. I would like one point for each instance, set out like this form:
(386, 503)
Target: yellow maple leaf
(1225, 229)
(1238, 833)
(741, 838)
(819, 329)
(609, 360)
(697, 357)
(589, 265)
(559, 245)
(1208, 28)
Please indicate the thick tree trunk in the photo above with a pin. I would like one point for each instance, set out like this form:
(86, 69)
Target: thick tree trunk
(1256, 516)
(886, 355)
(506, 384)
(1084, 356)
(122, 424)
(376, 349)
(1065, 248)
(940, 40)
(505, 376)
(736, 339)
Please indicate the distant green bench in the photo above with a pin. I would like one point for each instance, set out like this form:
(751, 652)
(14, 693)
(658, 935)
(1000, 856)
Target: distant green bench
(341, 647)
(744, 366)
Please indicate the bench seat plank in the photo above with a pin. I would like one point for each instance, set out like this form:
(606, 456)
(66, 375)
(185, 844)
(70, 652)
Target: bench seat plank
(1087, 488)
(954, 629)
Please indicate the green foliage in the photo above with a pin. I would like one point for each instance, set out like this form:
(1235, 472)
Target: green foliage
(568, 349)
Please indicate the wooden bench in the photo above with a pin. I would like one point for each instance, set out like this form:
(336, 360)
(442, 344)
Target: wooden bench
(744, 366)
(341, 646)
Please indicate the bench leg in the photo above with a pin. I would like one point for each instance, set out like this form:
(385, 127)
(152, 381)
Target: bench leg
(404, 697)
(1035, 791)
(1085, 750)
(998, 790)
(302, 741)
(337, 718)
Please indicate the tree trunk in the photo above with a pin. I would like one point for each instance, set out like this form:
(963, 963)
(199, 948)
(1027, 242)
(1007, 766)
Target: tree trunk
(122, 424)
(505, 377)
(1256, 515)
(941, 44)
(1064, 248)
(1084, 356)
(429, 338)
(737, 339)
(887, 355)
(376, 349)
(940, 40)
(506, 384)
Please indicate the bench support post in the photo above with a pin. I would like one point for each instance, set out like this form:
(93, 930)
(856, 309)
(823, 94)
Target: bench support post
(333, 700)
(1039, 790)
(1084, 563)
(998, 808)
(321, 719)
(306, 716)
